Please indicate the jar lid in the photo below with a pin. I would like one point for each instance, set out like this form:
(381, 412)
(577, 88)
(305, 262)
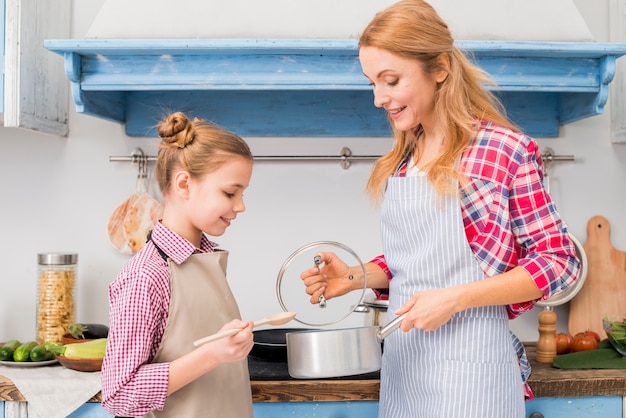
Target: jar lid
(57, 258)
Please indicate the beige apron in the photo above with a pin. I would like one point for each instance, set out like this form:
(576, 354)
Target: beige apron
(201, 303)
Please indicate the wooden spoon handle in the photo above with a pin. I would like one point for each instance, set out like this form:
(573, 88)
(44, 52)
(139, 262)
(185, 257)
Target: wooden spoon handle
(262, 322)
(227, 333)
(217, 336)
(274, 320)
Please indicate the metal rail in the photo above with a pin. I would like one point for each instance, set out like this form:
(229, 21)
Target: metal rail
(345, 157)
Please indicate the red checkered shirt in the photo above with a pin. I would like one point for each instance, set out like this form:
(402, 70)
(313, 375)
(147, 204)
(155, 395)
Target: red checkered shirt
(138, 309)
(509, 217)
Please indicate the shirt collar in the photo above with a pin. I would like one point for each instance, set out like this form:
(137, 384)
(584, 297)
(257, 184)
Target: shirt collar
(177, 247)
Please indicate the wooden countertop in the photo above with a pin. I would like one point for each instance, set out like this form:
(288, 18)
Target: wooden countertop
(545, 381)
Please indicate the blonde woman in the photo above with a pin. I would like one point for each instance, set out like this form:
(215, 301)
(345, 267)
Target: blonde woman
(470, 236)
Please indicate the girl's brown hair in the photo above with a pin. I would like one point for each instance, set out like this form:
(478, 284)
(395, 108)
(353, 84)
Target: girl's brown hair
(413, 29)
(195, 146)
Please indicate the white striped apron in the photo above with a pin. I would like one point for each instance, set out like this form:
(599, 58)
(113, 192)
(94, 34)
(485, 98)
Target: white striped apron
(468, 367)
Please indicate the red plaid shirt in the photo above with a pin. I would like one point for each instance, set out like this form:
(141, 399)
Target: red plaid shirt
(139, 301)
(509, 217)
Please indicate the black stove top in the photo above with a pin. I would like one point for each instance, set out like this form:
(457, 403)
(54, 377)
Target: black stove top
(261, 369)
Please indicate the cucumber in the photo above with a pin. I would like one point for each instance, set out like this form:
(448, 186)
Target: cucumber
(89, 349)
(22, 353)
(41, 353)
(6, 351)
(89, 331)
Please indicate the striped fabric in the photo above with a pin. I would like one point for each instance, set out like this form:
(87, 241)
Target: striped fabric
(468, 368)
(508, 216)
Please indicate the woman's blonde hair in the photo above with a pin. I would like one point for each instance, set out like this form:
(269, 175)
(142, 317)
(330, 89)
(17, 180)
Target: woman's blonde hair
(195, 146)
(413, 29)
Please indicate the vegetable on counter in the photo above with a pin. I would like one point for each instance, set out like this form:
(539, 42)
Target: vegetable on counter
(22, 353)
(564, 343)
(616, 331)
(585, 341)
(7, 350)
(41, 353)
(30, 351)
(90, 349)
(89, 331)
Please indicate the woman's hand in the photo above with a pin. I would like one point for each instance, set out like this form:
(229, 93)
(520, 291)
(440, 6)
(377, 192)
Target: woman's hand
(333, 278)
(430, 309)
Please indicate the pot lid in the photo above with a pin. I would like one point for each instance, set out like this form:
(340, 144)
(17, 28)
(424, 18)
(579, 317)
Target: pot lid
(291, 291)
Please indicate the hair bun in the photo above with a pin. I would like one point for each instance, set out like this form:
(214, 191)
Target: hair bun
(176, 129)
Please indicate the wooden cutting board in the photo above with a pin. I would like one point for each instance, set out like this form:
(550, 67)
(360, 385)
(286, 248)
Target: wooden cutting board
(604, 291)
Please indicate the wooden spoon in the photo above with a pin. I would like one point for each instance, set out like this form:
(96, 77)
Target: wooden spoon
(276, 319)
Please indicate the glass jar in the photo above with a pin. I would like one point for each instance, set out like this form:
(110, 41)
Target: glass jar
(55, 295)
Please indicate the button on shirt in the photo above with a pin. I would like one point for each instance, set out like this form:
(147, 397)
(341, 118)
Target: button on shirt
(509, 218)
(138, 310)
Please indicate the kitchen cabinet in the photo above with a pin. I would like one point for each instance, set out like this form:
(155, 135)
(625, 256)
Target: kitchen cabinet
(553, 407)
(20, 410)
(314, 87)
(359, 409)
(35, 96)
(618, 98)
(585, 407)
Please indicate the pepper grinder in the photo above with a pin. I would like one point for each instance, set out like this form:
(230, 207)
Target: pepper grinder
(546, 344)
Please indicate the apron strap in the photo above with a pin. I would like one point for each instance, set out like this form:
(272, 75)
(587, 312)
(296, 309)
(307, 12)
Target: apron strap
(161, 252)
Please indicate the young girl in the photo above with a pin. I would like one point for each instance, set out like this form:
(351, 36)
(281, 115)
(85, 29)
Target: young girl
(174, 290)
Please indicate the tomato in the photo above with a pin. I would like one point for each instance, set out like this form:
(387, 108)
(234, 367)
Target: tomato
(563, 343)
(593, 334)
(584, 342)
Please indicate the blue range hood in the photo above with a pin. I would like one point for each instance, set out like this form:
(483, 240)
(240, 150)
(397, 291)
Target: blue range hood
(313, 87)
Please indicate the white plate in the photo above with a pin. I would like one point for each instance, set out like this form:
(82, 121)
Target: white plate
(569, 293)
(28, 363)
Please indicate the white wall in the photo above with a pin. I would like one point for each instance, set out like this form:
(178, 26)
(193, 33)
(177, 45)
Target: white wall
(59, 192)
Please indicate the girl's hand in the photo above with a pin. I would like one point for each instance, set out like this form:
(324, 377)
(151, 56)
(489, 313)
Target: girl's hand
(430, 309)
(233, 348)
(208, 356)
(333, 278)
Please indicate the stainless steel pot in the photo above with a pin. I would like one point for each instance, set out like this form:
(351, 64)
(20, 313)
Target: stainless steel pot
(375, 311)
(271, 344)
(324, 353)
(337, 352)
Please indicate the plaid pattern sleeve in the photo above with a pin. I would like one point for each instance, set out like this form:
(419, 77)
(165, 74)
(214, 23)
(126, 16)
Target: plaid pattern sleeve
(382, 294)
(138, 303)
(509, 218)
(138, 309)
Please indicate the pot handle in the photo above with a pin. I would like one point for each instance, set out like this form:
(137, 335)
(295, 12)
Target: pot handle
(389, 328)
(361, 308)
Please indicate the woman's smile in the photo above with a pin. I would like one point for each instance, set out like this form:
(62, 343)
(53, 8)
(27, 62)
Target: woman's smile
(395, 113)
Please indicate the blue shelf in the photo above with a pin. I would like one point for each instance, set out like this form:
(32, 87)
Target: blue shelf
(313, 87)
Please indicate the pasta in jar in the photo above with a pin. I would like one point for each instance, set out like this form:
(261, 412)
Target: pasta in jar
(55, 296)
